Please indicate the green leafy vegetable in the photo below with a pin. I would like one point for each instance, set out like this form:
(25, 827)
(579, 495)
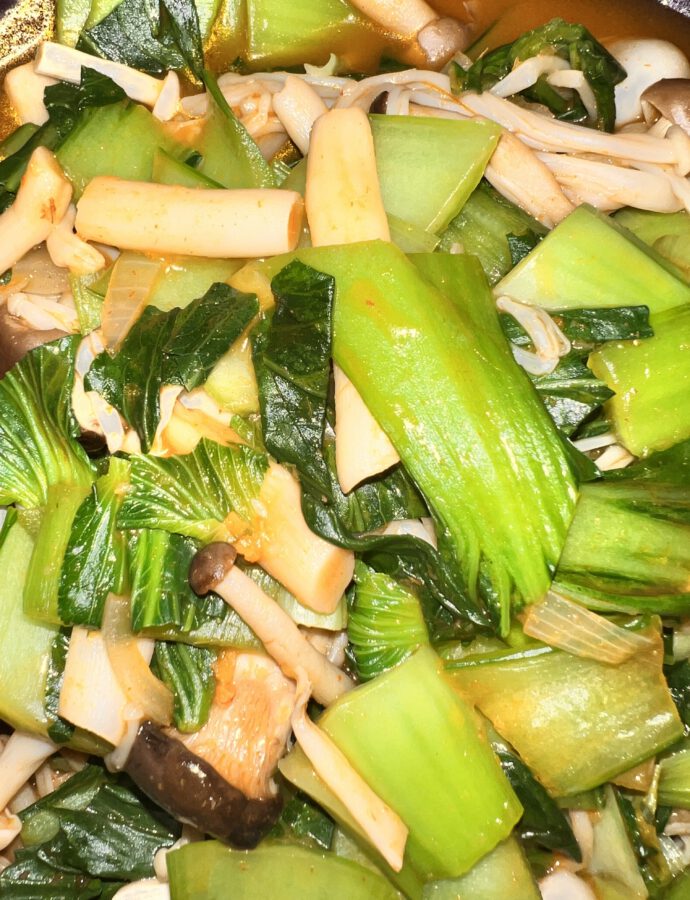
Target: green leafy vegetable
(188, 672)
(37, 429)
(522, 244)
(386, 624)
(305, 822)
(571, 42)
(571, 393)
(94, 556)
(193, 494)
(91, 827)
(678, 680)
(177, 347)
(65, 104)
(59, 730)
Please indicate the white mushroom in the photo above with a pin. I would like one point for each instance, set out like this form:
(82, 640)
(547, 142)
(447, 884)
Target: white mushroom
(646, 61)
(563, 885)
(42, 201)
(68, 251)
(22, 755)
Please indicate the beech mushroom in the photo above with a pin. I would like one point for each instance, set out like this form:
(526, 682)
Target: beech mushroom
(669, 98)
(17, 339)
(213, 569)
(646, 61)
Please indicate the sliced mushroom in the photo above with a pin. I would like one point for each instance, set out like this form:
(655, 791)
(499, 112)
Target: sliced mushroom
(669, 98)
(645, 60)
(16, 340)
(192, 791)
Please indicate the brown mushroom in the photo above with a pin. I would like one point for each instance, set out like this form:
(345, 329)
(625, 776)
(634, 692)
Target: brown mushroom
(213, 569)
(192, 791)
(16, 340)
(670, 98)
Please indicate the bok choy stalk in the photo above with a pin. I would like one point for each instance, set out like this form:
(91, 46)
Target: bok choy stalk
(386, 623)
(446, 784)
(651, 380)
(476, 459)
(575, 722)
(628, 548)
(41, 464)
(209, 870)
(503, 873)
(674, 778)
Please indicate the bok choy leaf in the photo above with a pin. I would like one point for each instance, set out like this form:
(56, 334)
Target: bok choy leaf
(177, 347)
(188, 672)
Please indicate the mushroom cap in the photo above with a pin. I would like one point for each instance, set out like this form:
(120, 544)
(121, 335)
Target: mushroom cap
(192, 791)
(670, 97)
(646, 61)
(16, 340)
(210, 566)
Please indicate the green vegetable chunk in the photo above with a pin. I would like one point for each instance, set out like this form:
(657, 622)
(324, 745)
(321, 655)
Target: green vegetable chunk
(503, 873)
(210, 871)
(495, 474)
(386, 623)
(415, 742)
(589, 261)
(575, 722)
(651, 380)
(667, 233)
(628, 549)
(674, 778)
(429, 167)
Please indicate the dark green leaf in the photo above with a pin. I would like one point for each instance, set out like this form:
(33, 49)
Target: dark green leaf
(640, 824)
(30, 878)
(134, 34)
(670, 466)
(564, 103)
(65, 104)
(59, 730)
(587, 327)
(542, 821)
(176, 347)
(37, 428)
(305, 822)
(522, 244)
(184, 27)
(571, 42)
(94, 554)
(678, 679)
(188, 672)
(571, 393)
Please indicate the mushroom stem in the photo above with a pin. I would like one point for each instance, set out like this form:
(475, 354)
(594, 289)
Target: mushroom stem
(170, 219)
(68, 251)
(213, 569)
(42, 201)
(24, 88)
(298, 106)
(22, 755)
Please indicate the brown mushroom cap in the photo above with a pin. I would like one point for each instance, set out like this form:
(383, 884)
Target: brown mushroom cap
(210, 566)
(191, 790)
(670, 97)
(16, 340)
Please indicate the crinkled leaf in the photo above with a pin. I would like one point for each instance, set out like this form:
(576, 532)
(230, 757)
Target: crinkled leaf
(176, 347)
(188, 672)
(30, 878)
(522, 244)
(183, 23)
(59, 730)
(571, 42)
(670, 466)
(571, 393)
(94, 554)
(193, 494)
(37, 428)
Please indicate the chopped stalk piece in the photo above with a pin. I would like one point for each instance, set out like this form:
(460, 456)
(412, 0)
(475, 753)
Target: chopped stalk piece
(362, 448)
(568, 626)
(21, 756)
(650, 378)
(416, 744)
(66, 64)
(298, 106)
(674, 780)
(41, 202)
(24, 89)
(213, 569)
(161, 218)
(382, 826)
(575, 722)
(68, 251)
(316, 571)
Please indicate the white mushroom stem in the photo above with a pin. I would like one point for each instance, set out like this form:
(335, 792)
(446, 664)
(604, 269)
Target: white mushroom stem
(167, 105)
(44, 313)
(22, 755)
(314, 570)
(65, 64)
(10, 827)
(576, 81)
(608, 187)
(564, 885)
(145, 889)
(24, 89)
(298, 106)
(545, 133)
(42, 200)
(404, 18)
(518, 174)
(281, 637)
(68, 251)
(344, 205)
(362, 448)
(168, 219)
(384, 827)
(527, 73)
